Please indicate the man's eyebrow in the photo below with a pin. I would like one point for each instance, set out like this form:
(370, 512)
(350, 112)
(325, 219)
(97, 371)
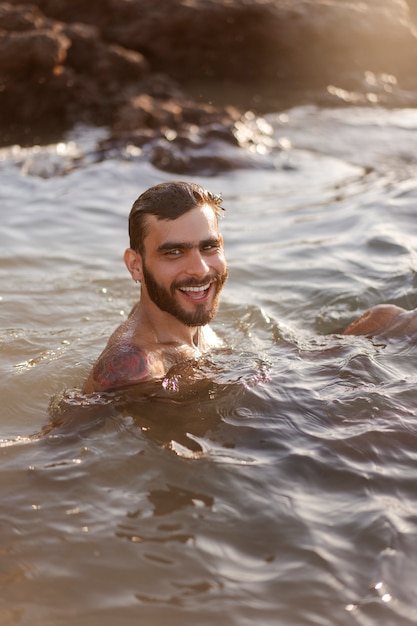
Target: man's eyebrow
(182, 245)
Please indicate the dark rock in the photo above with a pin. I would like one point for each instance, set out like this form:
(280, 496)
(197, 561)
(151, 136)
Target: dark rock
(182, 136)
(103, 62)
(308, 40)
(31, 53)
(53, 75)
(21, 17)
(125, 64)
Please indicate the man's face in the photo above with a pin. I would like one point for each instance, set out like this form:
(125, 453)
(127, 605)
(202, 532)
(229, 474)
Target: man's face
(184, 268)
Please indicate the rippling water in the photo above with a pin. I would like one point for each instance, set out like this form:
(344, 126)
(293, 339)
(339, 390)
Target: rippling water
(274, 482)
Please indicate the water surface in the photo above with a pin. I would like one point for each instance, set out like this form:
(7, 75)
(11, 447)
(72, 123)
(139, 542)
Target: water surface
(272, 483)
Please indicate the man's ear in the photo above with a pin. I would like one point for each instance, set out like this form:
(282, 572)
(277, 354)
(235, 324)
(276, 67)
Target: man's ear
(133, 262)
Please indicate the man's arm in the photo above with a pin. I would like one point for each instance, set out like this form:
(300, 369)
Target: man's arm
(386, 320)
(118, 366)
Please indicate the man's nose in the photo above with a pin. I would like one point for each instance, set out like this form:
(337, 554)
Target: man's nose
(197, 266)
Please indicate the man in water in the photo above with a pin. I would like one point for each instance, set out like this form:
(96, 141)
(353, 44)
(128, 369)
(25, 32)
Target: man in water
(176, 253)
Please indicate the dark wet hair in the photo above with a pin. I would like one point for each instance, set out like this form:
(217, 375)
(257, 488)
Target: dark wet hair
(167, 201)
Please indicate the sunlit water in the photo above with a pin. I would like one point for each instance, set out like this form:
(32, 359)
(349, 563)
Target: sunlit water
(275, 482)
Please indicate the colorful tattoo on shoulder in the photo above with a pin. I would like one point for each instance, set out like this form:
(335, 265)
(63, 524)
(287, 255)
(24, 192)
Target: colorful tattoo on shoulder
(125, 365)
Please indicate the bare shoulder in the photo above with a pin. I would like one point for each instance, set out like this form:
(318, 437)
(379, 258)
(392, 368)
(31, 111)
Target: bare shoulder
(119, 365)
(384, 319)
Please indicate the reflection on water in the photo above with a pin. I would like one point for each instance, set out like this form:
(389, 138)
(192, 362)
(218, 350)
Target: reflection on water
(272, 482)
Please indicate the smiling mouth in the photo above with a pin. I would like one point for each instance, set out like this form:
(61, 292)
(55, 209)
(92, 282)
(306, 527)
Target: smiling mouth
(200, 289)
(196, 293)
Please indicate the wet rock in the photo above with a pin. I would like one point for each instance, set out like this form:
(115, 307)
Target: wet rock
(188, 156)
(21, 17)
(121, 64)
(34, 53)
(308, 40)
(103, 62)
(182, 136)
(30, 44)
(53, 75)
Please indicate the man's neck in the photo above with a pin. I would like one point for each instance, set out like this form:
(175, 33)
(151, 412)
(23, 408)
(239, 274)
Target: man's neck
(162, 328)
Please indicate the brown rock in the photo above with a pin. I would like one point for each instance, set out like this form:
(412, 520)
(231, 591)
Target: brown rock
(312, 41)
(53, 75)
(308, 40)
(32, 53)
(21, 17)
(117, 62)
(89, 54)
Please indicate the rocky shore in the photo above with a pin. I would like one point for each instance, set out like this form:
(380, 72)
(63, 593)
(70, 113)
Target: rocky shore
(187, 81)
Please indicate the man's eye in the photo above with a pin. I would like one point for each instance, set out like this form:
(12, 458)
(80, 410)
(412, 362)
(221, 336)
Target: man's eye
(174, 252)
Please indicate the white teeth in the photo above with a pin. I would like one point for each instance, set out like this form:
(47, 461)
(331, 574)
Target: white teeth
(196, 289)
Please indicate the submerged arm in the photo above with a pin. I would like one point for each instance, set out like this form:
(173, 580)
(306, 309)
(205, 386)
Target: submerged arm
(385, 319)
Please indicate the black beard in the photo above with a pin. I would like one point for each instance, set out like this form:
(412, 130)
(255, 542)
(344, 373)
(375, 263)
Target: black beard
(166, 300)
